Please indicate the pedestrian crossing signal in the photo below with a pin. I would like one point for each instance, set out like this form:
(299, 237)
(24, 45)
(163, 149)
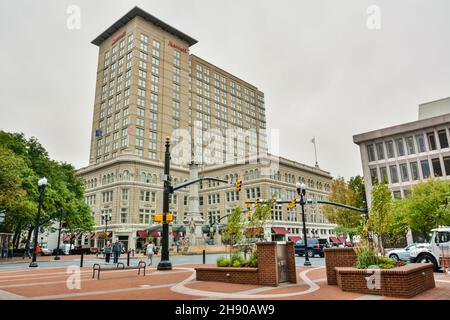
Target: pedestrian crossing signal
(247, 203)
(169, 217)
(257, 202)
(238, 185)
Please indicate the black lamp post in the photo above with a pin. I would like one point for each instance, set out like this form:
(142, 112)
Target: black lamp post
(106, 217)
(57, 257)
(301, 190)
(165, 263)
(42, 183)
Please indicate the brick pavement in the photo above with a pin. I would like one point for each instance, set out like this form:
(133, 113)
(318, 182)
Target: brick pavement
(50, 283)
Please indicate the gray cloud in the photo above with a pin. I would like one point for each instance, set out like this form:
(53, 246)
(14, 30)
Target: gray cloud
(322, 71)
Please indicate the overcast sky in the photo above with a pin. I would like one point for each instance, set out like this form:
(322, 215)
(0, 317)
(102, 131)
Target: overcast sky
(323, 71)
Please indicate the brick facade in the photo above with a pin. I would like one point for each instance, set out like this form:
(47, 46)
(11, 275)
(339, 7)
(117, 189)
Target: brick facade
(338, 257)
(402, 282)
(266, 274)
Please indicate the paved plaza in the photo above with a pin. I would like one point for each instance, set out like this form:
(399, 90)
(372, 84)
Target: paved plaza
(49, 282)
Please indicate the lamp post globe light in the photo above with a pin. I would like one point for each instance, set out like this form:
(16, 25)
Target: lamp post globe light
(301, 190)
(42, 183)
(2, 216)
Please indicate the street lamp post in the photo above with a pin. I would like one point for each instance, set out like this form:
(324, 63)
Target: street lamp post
(106, 217)
(301, 190)
(165, 263)
(57, 257)
(42, 183)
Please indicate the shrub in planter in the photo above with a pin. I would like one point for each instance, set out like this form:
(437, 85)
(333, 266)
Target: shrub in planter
(365, 257)
(223, 262)
(236, 263)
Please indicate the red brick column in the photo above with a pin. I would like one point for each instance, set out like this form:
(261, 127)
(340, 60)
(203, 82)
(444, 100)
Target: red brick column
(338, 257)
(290, 260)
(267, 263)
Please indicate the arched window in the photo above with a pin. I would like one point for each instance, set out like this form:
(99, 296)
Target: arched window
(154, 179)
(143, 177)
(126, 175)
(104, 179)
(250, 175)
(257, 174)
(95, 182)
(112, 177)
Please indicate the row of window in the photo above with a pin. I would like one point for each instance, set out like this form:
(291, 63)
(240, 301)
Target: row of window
(399, 147)
(409, 171)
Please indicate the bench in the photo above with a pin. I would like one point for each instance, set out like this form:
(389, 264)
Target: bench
(97, 267)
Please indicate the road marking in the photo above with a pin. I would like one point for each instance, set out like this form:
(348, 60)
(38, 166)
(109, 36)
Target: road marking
(181, 288)
(5, 295)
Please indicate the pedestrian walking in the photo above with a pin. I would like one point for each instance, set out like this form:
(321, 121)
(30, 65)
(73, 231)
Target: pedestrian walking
(10, 249)
(5, 248)
(150, 251)
(27, 251)
(117, 249)
(107, 250)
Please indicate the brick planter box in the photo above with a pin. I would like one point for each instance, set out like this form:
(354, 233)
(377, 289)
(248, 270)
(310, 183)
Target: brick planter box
(231, 275)
(267, 273)
(338, 257)
(402, 282)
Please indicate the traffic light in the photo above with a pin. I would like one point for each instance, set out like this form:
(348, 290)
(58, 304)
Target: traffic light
(247, 203)
(292, 204)
(257, 201)
(169, 217)
(249, 215)
(158, 218)
(238, 185)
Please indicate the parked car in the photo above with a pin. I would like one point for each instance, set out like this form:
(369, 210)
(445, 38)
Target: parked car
(83, 249)
(64, 249)
(404, 253)
(315, 246)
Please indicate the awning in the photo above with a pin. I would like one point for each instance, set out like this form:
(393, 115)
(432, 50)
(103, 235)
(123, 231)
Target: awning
(142, 233)
(66, 237)
(341, 239)
(253, 232)
(154, 234)
(294, 238)
(176, 234)
(279, 230)
(334, 240)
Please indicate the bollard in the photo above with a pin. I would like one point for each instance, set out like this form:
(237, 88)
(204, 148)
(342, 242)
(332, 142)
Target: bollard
(128, 258)
(81, 259)
(204, 256)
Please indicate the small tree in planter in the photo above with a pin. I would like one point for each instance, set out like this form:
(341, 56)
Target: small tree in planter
(232, 234)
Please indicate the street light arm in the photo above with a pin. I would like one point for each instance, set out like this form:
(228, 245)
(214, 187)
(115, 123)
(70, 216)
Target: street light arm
(189, 182)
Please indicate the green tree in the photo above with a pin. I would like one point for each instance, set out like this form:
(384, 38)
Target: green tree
(427, 207)
(348, 221)
(380, 215)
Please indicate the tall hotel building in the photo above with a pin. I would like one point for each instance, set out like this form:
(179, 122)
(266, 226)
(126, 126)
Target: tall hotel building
(148, 85)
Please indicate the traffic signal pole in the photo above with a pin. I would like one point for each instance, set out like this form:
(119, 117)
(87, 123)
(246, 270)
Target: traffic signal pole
(165, 263)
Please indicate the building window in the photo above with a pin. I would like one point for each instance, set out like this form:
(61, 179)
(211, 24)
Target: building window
(371, 152)
(404, 172)
(144, 216)
(394, 174)
(414, 171)
(400, 147)
(421, 143)
(397, 194)
(374, 176)
(425, 169)
(443, 138)
(431, 141)
(437, 169)
(124, 215)
(447, 165)
(410, 145)
(124, 194)
(380, 151)
(383, 174)
(390, 149)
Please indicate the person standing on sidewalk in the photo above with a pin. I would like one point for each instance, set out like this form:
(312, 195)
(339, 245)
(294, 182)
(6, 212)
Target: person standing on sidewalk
(150, 251)
(107, 250)
(27, 251)
(117, 249)
(4, 248)
(10, 249)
